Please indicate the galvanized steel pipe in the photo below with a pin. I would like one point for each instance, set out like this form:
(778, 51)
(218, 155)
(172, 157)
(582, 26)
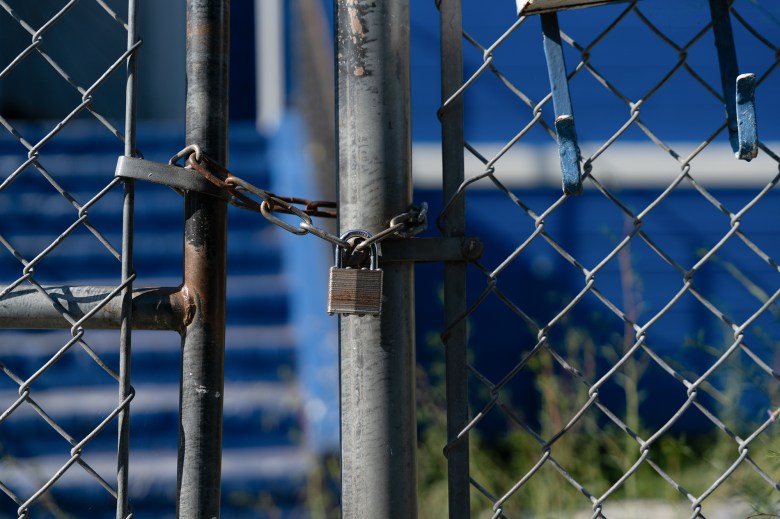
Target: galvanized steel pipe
(205, 263)
(378, 426)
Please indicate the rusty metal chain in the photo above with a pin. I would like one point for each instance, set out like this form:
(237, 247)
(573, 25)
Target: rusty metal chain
(237, 187)
(404, 225)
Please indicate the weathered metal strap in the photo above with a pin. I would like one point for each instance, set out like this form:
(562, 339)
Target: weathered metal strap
(432, 250)
(738, 90)
(169, 175)
(568, 150)
(747, 130)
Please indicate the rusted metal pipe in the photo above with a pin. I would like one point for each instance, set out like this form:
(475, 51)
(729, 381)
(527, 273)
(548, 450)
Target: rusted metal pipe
(205, 264)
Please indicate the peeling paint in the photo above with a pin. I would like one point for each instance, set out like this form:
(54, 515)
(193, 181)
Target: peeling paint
(353, 37)
(354, 21)
(189, 306)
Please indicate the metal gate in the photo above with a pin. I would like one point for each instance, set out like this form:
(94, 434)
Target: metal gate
(35, 299)
(576, 394)
(568, 389)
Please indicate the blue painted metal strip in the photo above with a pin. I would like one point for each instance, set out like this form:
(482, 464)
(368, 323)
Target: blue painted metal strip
(564, 113)
(569, 153)
(738, 93)
(556, 66)
(746, 117)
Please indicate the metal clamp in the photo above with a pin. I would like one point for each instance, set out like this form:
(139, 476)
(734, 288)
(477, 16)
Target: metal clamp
(170, 175)
(433, 250)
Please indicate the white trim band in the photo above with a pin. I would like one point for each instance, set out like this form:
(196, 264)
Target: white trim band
(628, 165)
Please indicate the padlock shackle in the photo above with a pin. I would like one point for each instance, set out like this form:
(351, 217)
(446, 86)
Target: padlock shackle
(374, 248)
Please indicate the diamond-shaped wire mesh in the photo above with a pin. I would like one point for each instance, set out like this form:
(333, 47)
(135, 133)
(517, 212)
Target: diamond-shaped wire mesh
(589, 393)
(62, 70)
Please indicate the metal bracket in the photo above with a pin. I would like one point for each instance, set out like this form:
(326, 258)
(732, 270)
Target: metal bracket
(526, 7)
(428, 250)
(169, 175)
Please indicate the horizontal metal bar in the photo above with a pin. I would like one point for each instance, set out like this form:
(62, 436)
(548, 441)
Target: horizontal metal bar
(169, 175)
(432, 249)
(153, 308)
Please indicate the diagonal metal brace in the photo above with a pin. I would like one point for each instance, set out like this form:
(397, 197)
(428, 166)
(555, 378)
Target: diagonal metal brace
(176, 177)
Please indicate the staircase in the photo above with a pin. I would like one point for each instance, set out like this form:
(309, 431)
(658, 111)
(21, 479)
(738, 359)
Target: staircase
(264, 463)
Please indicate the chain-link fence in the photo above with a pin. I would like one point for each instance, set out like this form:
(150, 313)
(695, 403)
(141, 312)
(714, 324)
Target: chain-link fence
(621, 353)
(617, 349)
(64, 66)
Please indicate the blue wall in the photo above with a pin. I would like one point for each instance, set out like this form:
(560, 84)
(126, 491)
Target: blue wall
(541, 283)
(631, 57)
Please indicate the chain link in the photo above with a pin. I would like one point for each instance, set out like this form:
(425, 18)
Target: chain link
(404, 225)
(48, 404)
(548, 331)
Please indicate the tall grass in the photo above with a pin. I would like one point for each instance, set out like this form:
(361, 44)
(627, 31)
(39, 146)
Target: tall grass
(595, 452)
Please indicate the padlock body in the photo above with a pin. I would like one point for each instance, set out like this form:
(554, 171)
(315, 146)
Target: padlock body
(355, 291)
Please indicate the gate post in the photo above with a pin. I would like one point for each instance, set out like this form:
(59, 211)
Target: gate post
(377, 361)
(455, 337)
(126, 325)
(205, 250)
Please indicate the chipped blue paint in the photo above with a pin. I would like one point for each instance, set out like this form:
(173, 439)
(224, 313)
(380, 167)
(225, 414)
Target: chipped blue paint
(747, 130)
(569, 153)
(568, 150)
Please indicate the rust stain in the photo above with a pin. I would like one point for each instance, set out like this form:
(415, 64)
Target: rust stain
(188, 304)
(355, 32)
(355, 25)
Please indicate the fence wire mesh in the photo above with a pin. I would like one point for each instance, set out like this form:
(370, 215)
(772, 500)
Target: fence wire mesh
(589, 394)
(62, 76)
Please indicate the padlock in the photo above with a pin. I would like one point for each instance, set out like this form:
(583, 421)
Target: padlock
(355, 291)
